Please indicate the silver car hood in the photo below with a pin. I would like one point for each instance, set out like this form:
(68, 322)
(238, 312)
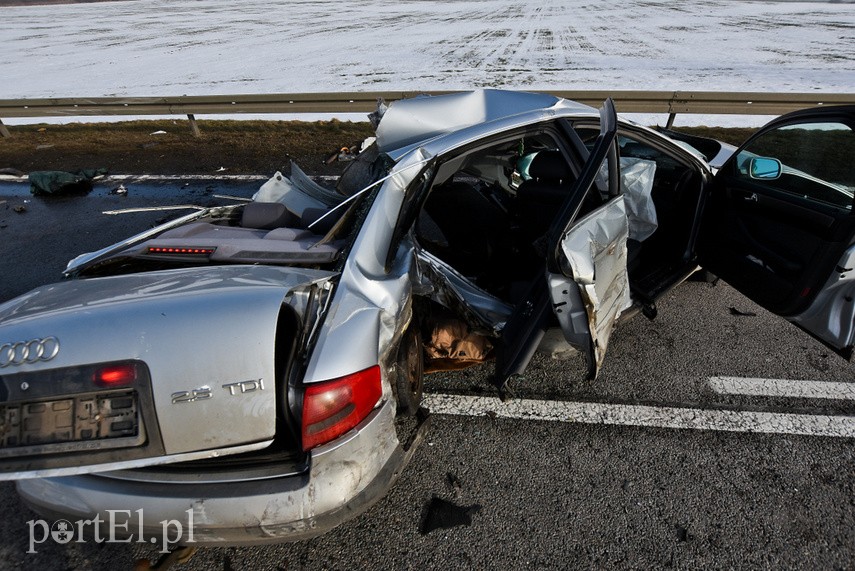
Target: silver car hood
(199, 329)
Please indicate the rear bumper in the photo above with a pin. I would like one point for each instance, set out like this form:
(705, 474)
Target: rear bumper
(345, 478)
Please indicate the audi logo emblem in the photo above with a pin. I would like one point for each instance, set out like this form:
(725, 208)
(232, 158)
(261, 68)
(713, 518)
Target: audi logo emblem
(31, 351)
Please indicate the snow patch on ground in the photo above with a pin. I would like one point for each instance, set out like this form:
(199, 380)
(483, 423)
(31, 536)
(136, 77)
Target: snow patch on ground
(163, 47)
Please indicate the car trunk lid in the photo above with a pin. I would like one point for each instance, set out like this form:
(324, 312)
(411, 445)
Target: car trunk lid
(192, 353)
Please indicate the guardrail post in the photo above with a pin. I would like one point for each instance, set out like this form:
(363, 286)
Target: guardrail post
(670, 123)
(3, 130)
(193, 126)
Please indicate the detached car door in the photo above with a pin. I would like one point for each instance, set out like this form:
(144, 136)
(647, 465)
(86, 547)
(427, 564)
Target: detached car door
(586, 274)
(779, 224)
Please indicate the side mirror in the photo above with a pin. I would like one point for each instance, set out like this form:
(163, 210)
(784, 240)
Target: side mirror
(764, 168)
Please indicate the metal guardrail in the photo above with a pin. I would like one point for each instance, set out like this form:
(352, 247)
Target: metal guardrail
(670, 102)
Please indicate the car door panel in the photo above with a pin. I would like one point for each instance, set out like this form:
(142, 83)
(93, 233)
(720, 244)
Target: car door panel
(595, 256)
(766, 256)
(595, 243)
(781, 235)
(752, 203)
(783, 238)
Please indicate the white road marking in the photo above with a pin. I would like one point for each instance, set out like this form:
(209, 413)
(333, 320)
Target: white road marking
(175, 177)
(207, 177)
(783, 388)
(182, 177)
(157, 177)
(642, 415)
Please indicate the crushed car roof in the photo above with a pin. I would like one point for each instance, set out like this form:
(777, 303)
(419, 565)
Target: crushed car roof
(408, 122)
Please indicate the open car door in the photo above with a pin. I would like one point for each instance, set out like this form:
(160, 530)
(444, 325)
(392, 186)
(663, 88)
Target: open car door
(779, 225)
(585, 283)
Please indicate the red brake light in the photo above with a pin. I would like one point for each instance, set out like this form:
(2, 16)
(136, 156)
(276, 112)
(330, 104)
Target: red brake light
(116, 375)
(181, 250)
(331, 408)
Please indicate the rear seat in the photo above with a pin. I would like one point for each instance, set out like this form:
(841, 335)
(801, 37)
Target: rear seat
(267, 215)
(263, 236)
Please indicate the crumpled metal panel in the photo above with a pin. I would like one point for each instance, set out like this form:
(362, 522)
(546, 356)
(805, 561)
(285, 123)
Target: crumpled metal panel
(412, 121)
(370, 307)
(595, 251)
(444, 285)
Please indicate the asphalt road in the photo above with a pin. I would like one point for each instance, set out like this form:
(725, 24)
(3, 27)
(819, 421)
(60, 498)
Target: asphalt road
(540, 493)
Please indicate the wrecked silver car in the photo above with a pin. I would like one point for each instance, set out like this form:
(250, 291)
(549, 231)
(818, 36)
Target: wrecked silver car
(240, 370)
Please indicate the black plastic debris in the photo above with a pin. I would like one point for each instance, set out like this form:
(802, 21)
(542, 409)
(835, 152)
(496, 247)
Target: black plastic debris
(453, 482)
(44, 183)
(738, 313)
(442, 514)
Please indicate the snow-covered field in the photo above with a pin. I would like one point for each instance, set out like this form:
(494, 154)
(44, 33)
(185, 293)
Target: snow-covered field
(168, 47)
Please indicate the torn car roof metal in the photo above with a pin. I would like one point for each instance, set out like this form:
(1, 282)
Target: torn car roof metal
(408, 123)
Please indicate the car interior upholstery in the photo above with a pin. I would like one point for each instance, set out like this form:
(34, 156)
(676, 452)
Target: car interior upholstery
(489, 224)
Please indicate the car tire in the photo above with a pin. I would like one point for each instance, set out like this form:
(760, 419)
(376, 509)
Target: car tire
(409, 381)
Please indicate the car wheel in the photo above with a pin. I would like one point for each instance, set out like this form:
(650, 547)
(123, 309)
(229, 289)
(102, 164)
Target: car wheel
(410, 378)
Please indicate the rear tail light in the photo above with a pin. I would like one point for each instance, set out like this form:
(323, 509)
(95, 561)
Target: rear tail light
(331, 408)
(117, 375)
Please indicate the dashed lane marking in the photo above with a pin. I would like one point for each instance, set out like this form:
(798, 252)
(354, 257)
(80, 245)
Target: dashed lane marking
(643, 415)
(831, 390)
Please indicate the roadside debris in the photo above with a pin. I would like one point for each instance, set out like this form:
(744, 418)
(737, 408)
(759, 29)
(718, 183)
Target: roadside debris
(349, 153)
(158, 133)
(344, 154)
(442, 514)
(20, 208)
(44, 183)
(120, 190)
(738, 313)
(453, 482)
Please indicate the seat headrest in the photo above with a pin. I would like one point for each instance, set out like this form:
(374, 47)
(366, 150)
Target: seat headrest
(266, 216)
(550, 166)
